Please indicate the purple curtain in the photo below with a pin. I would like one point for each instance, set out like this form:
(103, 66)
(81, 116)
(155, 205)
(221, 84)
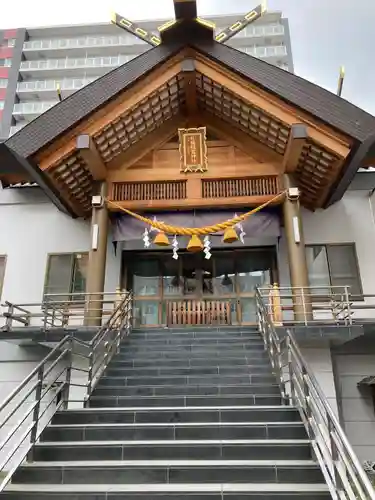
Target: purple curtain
(262, 224)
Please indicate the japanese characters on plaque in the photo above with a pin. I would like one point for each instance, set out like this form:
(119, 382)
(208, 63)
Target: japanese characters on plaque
(193, 149)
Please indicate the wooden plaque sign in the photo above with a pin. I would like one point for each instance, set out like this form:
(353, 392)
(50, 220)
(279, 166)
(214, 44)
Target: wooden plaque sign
(193, 149)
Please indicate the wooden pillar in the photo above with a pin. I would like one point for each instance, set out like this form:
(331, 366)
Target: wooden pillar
(97, 258)
(299, 278)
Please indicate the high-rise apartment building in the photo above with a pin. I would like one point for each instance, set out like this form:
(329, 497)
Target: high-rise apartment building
(36, 62)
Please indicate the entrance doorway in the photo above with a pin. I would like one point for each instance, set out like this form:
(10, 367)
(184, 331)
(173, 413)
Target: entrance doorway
(218, 290)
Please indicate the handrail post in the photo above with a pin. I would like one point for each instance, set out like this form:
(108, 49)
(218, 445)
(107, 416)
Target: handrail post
(335, 458)
(68, 376)
(349, 308)
(306, 396)
(34, 430)
(290, 371)
(89, 378)
(9, 320)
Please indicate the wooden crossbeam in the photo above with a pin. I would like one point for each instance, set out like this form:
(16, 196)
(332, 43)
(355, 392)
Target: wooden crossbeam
(87, 149)
(152, 141)
(297, 139)
(240, 139)
(274, 106)
(188, 70)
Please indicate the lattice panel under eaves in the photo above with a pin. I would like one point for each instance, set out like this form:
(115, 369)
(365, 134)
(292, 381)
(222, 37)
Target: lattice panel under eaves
(74, 178)
(315, 172)
(219, 101)
(140, 120)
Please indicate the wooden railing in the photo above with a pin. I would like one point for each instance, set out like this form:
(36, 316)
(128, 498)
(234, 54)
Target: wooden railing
(248, 186)
(198, 312)
(143, 191)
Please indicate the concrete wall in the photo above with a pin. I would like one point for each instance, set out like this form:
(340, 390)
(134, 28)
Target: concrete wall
(355, 361)
(31, 227)
(351, 220)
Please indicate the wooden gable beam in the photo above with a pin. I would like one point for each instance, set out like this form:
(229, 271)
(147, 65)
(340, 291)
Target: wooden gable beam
(297, 139)
(335, 143)
(63, 147)
(153, 140)
(188, 69)
(87, 149)
(240, 139)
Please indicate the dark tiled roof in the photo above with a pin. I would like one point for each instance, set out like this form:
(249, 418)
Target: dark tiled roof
(75, 108)
(328, 107)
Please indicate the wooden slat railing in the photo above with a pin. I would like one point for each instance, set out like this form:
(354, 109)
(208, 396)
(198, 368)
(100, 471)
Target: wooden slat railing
(198, 312)
(144, 191)
(248, 186)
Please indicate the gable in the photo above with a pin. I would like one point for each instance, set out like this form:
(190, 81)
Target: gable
(137, 107)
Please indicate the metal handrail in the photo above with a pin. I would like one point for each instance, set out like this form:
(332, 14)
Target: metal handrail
(60, 310)
(47, 387)
(343, 472)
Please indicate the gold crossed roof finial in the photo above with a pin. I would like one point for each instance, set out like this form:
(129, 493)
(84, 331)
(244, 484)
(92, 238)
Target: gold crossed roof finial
(187, 10)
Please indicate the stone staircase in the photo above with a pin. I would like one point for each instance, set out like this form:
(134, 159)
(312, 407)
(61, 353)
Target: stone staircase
(182, 414)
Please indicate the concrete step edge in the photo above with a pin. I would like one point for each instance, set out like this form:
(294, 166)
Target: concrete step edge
(170, 488)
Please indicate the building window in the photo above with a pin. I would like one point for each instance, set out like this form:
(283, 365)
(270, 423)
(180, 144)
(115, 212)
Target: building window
(3, 261)
(3, 83)
(6, 62)
(11, 42)
(334, 266)
(2, 104)
(66, 277)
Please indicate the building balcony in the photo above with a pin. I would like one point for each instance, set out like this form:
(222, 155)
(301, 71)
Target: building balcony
(48, 88)
(27, 111)
(93, 45)
(16, 128)
(91, 65)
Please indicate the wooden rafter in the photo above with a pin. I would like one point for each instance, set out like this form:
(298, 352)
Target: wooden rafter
(240, 139)
(64, 146)
(87, 149)
(152, 141)
(297, 139)
(321, 134)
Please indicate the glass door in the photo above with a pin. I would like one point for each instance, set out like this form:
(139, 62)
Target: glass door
(158, 280)
(144, 280)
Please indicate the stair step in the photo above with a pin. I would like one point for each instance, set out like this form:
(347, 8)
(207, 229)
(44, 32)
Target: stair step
(255, 365)
(219, 491)
(175, 371)
(193, 344)
(196, 358)
(178, 380)
(194, 339)
(178, 414)
(166, 350)
(186, 390)
(234, 449)
(206, 400)
(175, 431)
(159, 472)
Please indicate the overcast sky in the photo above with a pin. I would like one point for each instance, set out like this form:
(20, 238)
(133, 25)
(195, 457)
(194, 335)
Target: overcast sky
(325, 33)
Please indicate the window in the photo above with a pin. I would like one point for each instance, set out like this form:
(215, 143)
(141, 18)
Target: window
(66, 276)
(3, 260)
(334, 265)
(3, 83)
(2, 105)
(11, 42)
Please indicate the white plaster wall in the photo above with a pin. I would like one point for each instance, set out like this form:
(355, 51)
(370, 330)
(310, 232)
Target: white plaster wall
(31, 227)
(357, 405)
(351, 220)
(320, 361)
